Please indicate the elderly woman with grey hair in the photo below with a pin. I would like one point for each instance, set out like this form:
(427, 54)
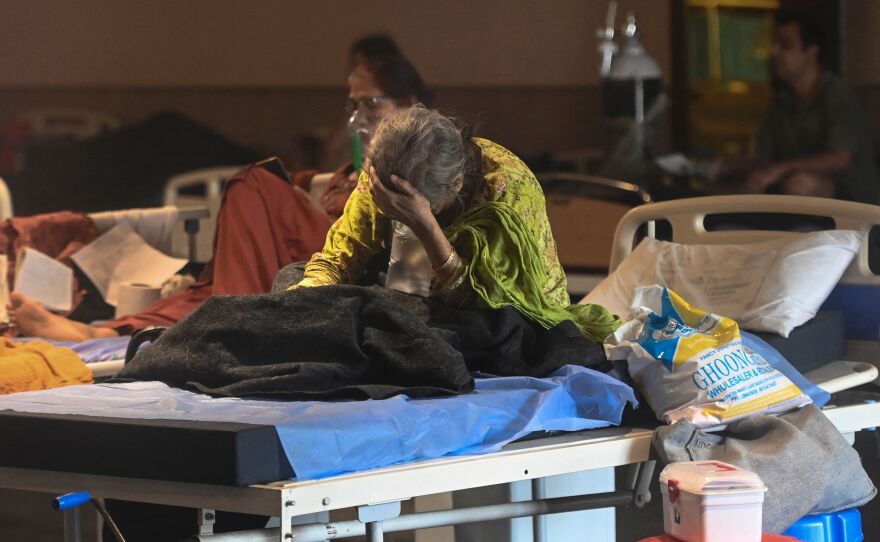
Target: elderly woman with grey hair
(465, 221)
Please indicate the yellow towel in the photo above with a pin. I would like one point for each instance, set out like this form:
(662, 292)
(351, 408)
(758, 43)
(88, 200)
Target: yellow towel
(38, 365)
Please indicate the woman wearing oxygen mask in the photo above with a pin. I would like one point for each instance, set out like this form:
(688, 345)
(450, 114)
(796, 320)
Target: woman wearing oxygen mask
(378, 85)
(466, 222)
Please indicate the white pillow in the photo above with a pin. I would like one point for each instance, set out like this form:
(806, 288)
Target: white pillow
(773, 285)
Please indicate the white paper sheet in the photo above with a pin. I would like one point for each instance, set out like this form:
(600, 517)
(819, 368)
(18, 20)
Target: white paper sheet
(44, 280)
(121, 255)
(155, 225)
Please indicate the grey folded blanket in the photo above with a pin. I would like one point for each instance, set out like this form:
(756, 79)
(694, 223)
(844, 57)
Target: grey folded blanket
(807, 465)
(351, 342)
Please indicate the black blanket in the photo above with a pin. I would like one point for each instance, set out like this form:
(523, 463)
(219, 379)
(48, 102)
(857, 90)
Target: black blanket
(351, 342)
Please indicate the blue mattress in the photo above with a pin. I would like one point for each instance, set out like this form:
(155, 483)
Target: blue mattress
(324, 438)
(859, 305)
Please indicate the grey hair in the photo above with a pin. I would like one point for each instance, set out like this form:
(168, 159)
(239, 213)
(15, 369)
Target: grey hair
(422, 146)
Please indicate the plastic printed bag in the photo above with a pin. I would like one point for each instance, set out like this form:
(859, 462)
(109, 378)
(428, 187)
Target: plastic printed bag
(691, 364)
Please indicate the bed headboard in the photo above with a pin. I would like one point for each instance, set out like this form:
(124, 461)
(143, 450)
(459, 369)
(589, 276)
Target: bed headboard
(857, 295)
(687, 218)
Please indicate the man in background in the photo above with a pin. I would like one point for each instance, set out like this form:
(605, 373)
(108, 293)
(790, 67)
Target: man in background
(814, 141)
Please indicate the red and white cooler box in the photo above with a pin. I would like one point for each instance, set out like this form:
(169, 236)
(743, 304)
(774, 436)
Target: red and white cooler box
(711, 501)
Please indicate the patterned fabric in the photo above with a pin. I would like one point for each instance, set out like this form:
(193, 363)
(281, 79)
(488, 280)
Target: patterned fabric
(507, 268)
(362, 231)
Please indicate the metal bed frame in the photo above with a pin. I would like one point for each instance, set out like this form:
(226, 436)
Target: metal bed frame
(303, 506)
(377, 494)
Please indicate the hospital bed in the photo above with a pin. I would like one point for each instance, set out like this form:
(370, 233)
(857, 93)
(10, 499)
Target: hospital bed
(198, 195)
(52, 123)
(105, 369)
(208, 187)
(377, 494)
(857, 294)
(204, 188)
(188, 217)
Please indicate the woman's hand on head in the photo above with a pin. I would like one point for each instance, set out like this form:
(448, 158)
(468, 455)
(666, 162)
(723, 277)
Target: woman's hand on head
(404, 204)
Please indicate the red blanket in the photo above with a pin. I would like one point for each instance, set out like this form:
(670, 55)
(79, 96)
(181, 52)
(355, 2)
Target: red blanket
(58, 235)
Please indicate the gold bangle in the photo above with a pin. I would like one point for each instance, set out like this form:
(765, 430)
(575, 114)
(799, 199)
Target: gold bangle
(450, 278)
(447, 263)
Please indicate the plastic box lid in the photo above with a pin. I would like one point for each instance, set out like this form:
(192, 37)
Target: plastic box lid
(710, 478)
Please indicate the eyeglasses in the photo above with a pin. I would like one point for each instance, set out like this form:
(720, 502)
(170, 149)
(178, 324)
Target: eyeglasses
(370, 103)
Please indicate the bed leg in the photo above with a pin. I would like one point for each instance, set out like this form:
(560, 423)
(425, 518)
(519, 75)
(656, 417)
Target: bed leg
(286, 516)
(642, 489)
(539, 523)
(72, 531)
(373, 515)
(374, 532)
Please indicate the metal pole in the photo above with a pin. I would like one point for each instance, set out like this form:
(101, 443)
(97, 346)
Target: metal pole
(108, 520)
(374, 531)
(191, 226)
(72, 531)
(642, 490)
(539, 523)
(424, 520)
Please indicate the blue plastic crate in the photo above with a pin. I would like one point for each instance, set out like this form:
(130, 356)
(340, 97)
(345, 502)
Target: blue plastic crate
(845, 526)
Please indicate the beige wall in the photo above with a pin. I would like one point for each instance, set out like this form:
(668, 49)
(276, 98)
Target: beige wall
(284, 43)
(263, 72)
(527, 120)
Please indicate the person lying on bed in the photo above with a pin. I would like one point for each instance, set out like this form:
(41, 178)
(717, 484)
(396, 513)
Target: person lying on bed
(466, 221)
(256, 212)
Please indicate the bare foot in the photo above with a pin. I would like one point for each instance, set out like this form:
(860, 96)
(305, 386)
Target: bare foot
(34, 320)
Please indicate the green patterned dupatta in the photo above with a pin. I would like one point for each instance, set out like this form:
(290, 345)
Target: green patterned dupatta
(506, 269)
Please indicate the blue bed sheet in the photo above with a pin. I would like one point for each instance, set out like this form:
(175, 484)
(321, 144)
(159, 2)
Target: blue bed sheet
(323, 438)
(107, 349)
(93, 350)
